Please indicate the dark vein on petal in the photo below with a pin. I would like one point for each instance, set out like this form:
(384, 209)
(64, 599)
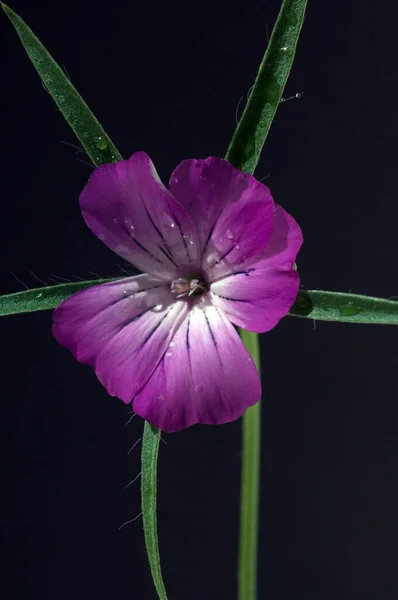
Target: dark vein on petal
(225, 255)
(208, 238)
(140, 245)
(222, 258)
(244, 272)
(147, 251)
(211, 331)
(183, 239)
(157, 326)
(230, 299)
(167, 256)
(169, 252)
(137, 317)
(187, 343)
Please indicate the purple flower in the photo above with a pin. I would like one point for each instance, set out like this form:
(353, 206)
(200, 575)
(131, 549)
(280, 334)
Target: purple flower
(215, 250)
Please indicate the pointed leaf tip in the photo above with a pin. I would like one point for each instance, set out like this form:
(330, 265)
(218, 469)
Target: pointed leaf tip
(91, 135)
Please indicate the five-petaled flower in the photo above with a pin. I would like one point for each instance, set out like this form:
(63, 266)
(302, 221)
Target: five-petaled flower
(215, 251)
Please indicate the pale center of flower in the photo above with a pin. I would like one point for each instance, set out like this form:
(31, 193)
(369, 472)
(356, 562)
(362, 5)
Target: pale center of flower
(191, 286)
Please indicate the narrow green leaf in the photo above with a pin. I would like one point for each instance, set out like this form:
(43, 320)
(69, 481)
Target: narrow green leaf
(43, 298)
(101, 150)
(150, 449)
(312, 304)
(347, 308)
(249, 498)
(249, 137)
(95, 141)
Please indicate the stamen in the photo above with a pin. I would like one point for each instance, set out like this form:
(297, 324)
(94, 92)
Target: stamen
(180, 286)
(195, 286)
(188, 287)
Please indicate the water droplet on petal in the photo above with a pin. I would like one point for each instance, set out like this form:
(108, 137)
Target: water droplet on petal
(229, 234)
(158, 307)
(115, 220)
(169, 354)
(168, 221)
(39, 295)
(212, 258)
(221, 239)
(172, 344)
(129, 224)
(237, 246)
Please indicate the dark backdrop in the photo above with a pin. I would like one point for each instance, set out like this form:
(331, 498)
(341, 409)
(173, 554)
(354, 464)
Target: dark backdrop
(167, 77)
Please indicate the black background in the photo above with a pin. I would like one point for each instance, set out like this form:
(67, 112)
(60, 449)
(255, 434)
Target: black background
(167, 77)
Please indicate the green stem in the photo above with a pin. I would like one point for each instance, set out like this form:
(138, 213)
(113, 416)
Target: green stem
(150, 450)
(249, 504)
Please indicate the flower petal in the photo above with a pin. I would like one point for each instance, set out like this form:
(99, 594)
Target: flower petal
(209, 187)
(206, 376)
(121, 329)
(257, 297)
(240, 235)
(126, 205)
(285, 241)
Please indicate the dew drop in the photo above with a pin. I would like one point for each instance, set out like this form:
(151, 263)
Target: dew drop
(169, 354)
(221, 239)
(172, 344)
(158, 307)
(129, 224)
(229, 234)
(212, 258)
(167, 221)
(101, 143)
(39, 295)
(349, 310)
(115, 220)
(237, 246)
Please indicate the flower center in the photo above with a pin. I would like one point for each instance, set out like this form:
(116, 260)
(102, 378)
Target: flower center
(190, 286)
